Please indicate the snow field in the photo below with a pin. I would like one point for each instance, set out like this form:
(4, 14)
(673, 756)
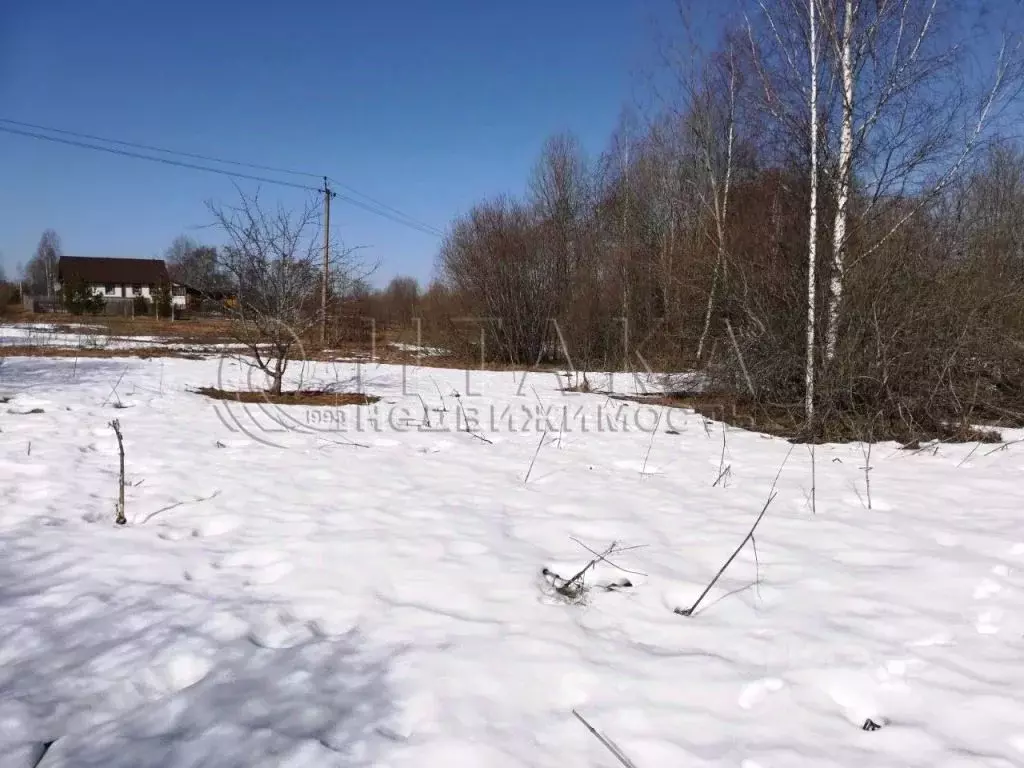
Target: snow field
(281, 597)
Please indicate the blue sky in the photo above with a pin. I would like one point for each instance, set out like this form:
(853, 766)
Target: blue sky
(428, 106)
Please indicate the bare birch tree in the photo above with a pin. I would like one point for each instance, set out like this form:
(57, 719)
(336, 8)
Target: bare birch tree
(909, 118)
(812, 236)
(718, 160)
(41, 270)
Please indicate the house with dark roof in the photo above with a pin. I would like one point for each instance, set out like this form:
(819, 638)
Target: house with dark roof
(122, 279)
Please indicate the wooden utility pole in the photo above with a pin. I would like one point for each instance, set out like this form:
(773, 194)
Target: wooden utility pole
(327, 259)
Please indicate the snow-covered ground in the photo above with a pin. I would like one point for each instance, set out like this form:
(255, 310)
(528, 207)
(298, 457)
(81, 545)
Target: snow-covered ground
(285, 596)
(71, 336)
(90, 337)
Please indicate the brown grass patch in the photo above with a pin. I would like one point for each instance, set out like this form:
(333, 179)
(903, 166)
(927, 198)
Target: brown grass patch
(295, 397)
(199, 330)
(16, 350)
(787, 421)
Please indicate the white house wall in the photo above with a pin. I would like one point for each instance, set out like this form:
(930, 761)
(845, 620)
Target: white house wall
(122, 290)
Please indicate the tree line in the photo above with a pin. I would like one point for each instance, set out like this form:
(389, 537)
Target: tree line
(823, 214)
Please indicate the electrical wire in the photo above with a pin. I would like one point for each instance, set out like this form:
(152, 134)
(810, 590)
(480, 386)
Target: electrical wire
(427, 227)
(151, 148)
(373, 205)
(165, 160)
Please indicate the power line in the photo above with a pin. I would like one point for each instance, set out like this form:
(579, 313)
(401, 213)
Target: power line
(400, 219)
(151, 148)
(374, 206)
(427, 227)
(165, 160)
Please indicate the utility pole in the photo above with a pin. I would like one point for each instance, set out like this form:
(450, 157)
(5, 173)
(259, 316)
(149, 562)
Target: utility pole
(328, 194)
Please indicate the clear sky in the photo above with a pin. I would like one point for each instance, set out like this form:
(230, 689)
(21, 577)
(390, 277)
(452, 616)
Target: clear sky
(427, 106)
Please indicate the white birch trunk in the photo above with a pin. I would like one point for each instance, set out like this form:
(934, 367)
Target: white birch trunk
(721, 209)
(812, 237)
(843, 183)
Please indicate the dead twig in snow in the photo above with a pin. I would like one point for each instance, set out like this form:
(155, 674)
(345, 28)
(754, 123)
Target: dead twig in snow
(606, 742)
(177, 504)
(866, 452)
(782, 466)
(750, 535)
(723, 471)
(444, 407)
(604, 559)
(650, 445)
(113, 390)
(347, 444)
(814, 483)
(757, 568)
(120, 518)
(1004, 446)
(426, 411)
(575, 588)
(968, 456)
(465, 419)
(535, 454)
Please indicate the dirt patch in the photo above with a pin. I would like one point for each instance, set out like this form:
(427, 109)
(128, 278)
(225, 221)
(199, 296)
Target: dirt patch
(295, 397)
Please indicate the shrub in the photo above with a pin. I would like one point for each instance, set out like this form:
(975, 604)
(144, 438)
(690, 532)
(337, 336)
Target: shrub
(162, 300)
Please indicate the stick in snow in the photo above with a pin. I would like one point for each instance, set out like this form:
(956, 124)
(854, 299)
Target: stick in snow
(113, 390)
(689, 611)
(608, 743)
(426, 412)
(574, 588)
(465, 418)
(535, 454)
(650, 445)
(723, 471)
(867, 469)
(120, 519)
(444, 408)
(814, 483)
(604, 559)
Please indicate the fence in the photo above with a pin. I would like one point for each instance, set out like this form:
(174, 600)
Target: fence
(114, 306)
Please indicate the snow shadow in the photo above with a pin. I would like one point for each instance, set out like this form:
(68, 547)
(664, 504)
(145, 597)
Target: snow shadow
(18, 374)
(103, 666)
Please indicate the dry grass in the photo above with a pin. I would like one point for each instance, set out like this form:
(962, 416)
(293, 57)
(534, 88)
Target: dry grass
(295, 397)
(787, 421)
(25, 350)
(198, 330)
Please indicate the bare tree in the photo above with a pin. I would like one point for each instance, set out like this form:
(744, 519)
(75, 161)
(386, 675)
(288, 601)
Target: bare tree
(719, 168)
(197, 266)
(41, 270)
(812, 235)
(400, 300)
(273, 259)
(910, 114)
(706, 107)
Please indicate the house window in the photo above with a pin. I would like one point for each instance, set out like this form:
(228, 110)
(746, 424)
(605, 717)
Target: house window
(108, 289)
(179, 290)
(136, 290)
